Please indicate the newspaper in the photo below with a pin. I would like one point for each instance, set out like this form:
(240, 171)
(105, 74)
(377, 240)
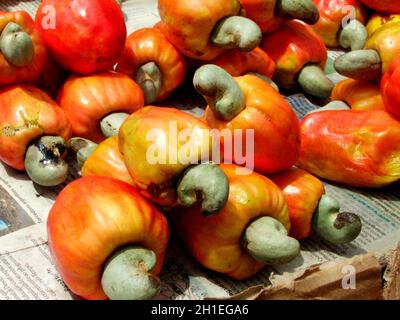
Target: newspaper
(26, 267)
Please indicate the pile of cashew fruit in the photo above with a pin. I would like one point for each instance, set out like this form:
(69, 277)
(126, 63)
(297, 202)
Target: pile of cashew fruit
(75, 85)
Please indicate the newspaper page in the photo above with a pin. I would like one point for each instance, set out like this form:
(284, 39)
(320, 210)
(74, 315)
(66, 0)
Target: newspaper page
(26, 267)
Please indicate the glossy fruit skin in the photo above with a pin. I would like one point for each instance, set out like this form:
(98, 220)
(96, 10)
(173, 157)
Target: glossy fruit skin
(386, 41)
(150, 45)
(107, 161)
(188, 24)
(157, 181)
(216, 241)
(88, 99)
(355, 148)
(26, 114)
(387, 6)
(89, 35)
(238, 63)
(379, 20)
(332, 14)
(91, 219)
(276, 126)
(292, 46)
(10, 74)
(359, 95)
(262, 12)
(390, 88)
(302, 193)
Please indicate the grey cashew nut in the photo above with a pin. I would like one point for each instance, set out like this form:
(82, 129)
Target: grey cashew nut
(83, 149)
(360, 65)
(353, 36)
(206, 183)
(334, 226)
(237, 32)
(313, 81)
(111, 124)
(267, 241)
(298, 9)
(333, 105)
(44, 163)
(223, 94)
(16, 45)
(149, 77)
(127, 275)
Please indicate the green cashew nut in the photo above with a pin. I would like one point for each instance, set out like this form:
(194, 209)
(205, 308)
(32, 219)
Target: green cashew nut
(298, 9)
(83, 149)
(353, 36)
(149, 78)
(223, 94)
(267, 241)
(205, 181)
(237, 33)
(127, 276)
(329, 68)
(111, 124)
(44, 163)
(333, 105)
(16, 45)
(313, 81)
(360, 65)
(332, 226)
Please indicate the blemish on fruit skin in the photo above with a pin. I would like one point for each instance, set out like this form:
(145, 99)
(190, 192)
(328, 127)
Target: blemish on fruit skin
(11, 131)
(8, 131)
